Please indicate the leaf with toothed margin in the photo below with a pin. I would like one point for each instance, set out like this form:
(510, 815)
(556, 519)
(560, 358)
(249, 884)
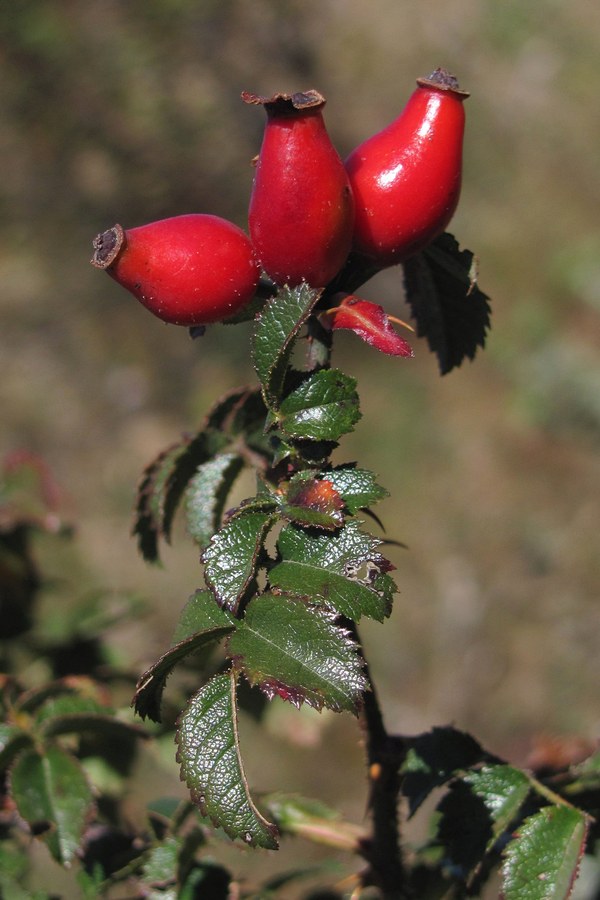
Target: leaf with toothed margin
(201, 623)
(313, 502)
(357, 487)
(231, 558)
(450, 309)
(149, 507)
(542, 861)
(298, 653)
(52, 794)
(206, 495)
(343, 571)
(208, 752)
(275, 332)
(323, 408)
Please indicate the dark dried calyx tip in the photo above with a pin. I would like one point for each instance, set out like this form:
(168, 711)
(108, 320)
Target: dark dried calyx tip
(107, 247)
(286, 104)
(444, 81)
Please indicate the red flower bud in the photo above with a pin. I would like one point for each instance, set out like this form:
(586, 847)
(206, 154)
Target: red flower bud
(406, 179)
(301, 210)
(187, 270)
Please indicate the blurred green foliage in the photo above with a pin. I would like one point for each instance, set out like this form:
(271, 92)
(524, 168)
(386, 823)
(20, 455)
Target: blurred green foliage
(130, 112)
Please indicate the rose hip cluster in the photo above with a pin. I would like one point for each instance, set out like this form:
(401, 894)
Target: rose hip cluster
(395, 193)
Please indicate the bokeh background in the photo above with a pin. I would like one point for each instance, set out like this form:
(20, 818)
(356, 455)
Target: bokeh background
(130, 112)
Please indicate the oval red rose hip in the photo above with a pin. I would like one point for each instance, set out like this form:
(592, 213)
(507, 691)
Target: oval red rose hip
(188, 270)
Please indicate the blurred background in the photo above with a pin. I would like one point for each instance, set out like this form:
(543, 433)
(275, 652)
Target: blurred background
(130, 112)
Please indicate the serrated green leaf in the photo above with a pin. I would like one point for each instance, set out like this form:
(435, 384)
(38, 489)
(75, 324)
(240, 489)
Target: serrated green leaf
(343, 571)
(231, 558)
(161, 865)
(200, 614)
(197, 450)
(323, 408)
(298, 653)
(313, 502)
(216, 623)
(72, 714)
(542, 861)
(274, 334)
(149, 507)
(357, 487)
(12, 740)
(450, 309)
(207, 493)
(51, 791)
(209, 754)
(503, 790)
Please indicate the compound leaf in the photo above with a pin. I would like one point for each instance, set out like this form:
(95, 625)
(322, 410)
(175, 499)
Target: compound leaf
(298, 653)
(209, 754)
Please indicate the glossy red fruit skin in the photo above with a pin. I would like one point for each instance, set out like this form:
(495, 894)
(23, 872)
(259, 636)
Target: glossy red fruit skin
(188, 270)
(301, 213)
(406, 179)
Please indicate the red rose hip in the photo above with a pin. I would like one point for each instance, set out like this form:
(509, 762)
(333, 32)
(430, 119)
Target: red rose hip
(301, 211)
(187, 270)
(406, 179)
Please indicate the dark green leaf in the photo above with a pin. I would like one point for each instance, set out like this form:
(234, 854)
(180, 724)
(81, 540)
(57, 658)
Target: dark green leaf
(74, 714)
(313, 502)
(160, 867)
(207, 493)
(12, 740)
(450, 309)
(434, 758)
(275, 331)
(209, 755)
(323, 408)
(543, 860)
(242, 412)
(503, 791)
(52, 793)
(231, 558)
(298, 653)
(198, 450)
(343, 571)
(209, 623)
(357, 486)
(149, 509)
(200, 614)
(464, 830)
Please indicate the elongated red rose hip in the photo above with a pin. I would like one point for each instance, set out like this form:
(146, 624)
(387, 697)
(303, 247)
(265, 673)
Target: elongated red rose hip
(406, 179)
(301, 210)
(187, 270)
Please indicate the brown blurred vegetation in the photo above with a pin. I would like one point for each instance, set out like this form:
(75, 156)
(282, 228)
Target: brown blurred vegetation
(130, 112)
